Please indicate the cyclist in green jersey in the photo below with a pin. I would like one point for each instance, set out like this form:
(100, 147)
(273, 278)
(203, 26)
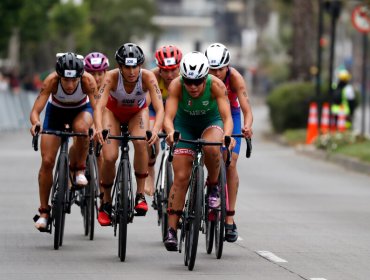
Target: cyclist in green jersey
(202, 110)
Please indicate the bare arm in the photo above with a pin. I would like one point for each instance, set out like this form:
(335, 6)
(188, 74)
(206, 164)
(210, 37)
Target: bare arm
(219, 93)
(156, 97)
(172, 103)
(90, 88)
(47, 87)
(101, 101)
(239, 86)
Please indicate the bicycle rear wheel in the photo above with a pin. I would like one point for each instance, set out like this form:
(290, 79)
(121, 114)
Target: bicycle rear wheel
(220, 213)
(123, 210)
(194, 217)
(59, 193)
(168, 179)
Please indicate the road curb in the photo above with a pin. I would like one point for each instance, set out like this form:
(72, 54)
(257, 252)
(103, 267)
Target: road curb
(350, 163)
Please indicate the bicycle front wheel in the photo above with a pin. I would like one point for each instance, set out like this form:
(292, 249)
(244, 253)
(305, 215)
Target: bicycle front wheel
(194, 217)
(59, 194)
(220, 213)
(123, 210)
(90, 195)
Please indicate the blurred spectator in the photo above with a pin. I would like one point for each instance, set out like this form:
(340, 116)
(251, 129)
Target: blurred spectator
(4, 83)
(15, 84)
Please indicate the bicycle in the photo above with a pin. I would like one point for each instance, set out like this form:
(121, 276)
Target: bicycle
(122, 192)
(62, 196)
(194, 209)
(162, 187)
(214, 229)
(88, 195)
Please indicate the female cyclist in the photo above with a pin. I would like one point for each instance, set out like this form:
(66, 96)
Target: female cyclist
(200, 105)
(67, 92)
(167, 59)
(219, 59)
(122, 100)
(97, 64)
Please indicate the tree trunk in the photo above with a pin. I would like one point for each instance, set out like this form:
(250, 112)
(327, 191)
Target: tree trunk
(304, 35)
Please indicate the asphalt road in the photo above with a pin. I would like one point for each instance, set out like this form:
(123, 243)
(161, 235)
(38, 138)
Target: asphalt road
(298, 218)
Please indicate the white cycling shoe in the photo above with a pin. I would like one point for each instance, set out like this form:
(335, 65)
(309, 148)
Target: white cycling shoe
(81, 179)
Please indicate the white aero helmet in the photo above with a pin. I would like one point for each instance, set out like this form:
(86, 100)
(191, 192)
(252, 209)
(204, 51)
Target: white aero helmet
(194, 65)
(218, 56)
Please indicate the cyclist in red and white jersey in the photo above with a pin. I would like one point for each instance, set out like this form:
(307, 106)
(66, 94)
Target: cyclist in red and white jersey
(122, 100)
(167, 59)
(68, 94)
(219, 58)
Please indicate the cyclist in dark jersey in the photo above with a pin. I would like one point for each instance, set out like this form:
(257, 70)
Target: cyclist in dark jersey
(199, 103)
(219, 58)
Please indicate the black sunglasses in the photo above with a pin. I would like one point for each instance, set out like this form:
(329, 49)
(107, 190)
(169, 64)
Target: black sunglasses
(195, 82)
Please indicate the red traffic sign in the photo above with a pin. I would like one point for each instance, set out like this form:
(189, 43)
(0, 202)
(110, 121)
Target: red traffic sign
(361, 18)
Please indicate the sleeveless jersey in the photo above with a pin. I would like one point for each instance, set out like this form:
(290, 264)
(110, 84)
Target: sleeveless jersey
(74, 100)
(128, 101)
(195, 110)
(233, 97)
(163, 89)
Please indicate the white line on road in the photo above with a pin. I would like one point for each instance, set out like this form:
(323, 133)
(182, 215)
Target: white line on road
(317, 279)
(270, 256)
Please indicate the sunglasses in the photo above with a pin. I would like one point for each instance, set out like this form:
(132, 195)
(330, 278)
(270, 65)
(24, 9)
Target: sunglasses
(195, 82)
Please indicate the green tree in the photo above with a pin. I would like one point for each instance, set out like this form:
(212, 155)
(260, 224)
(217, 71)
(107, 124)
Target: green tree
(119, 21)
(9, 13)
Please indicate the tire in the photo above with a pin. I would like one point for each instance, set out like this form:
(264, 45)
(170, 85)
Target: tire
(221, 213)
(90, 195)
(123, 210)
(210, 229)
(168, 180)
(59, 193)
(195, 212)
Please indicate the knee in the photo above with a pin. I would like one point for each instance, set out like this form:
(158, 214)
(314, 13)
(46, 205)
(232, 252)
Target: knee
(47, 163)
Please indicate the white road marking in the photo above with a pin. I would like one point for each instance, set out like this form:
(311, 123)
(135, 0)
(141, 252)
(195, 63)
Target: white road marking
(270, 256)
(317, 279)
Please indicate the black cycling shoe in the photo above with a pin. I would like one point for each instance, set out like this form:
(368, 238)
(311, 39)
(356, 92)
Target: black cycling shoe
(231, 233)
(171, 240)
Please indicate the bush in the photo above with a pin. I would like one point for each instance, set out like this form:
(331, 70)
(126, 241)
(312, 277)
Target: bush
(288, 104)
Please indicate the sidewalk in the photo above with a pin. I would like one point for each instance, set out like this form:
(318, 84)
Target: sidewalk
(263, 129)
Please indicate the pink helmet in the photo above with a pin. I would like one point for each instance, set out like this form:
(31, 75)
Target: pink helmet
(96, 61)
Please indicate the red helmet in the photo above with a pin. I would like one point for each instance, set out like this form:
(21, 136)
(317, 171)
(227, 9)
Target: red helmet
(168, 57)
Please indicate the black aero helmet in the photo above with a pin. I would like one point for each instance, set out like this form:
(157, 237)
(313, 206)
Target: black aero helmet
(69, 65)
(130, 54)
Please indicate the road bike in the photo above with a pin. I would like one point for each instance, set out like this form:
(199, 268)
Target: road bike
(162, 187)
(64, 191)
(194, 210)
(214, 229)
(88, 195)
(122, 192)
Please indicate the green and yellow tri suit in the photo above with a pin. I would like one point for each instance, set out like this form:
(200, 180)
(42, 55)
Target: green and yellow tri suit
(194, 115)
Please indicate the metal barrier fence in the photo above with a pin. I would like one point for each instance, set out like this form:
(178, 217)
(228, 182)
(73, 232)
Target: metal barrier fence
(15, 110)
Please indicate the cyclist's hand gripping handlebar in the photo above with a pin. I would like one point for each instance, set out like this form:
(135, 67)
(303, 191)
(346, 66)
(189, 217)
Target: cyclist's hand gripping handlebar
(176, 137)
(35, 139)
(98, 145)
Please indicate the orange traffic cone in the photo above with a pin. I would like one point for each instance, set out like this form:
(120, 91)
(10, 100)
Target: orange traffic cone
(324, 126)
(341, 120)
(312, 125)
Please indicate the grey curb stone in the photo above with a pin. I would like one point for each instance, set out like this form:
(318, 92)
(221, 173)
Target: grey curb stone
(348, 163)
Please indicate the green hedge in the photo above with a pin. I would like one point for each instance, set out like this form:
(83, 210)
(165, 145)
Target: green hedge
(288, 104)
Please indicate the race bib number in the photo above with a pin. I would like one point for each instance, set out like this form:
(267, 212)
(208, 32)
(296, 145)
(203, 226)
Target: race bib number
(131, 61)
(70, 73)
(169, 61)
(96, 61)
